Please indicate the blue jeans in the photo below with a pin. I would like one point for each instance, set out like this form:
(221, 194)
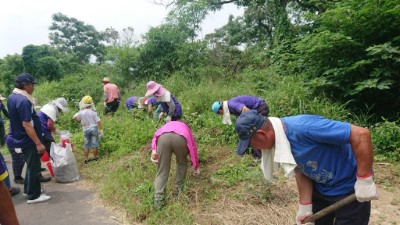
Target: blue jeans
(91, 138)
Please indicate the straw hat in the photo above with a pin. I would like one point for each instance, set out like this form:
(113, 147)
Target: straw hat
(106, 80)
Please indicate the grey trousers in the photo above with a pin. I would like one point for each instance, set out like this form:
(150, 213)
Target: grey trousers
(167, 144)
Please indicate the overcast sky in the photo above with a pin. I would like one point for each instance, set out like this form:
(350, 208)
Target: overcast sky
(24, 22)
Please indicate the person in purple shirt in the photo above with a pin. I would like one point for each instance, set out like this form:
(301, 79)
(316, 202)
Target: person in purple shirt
(27, 134)
(151, 103)
(168, 102)
(48, 115)
(240, 104)
(131, 102)
(237, 106)
(18, 160)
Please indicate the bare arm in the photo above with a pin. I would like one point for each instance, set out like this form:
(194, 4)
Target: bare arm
(305, 188)
(99, 125)
(360, 140)
(76, 118)
(33, 136)
(7, 210)
(244, 109)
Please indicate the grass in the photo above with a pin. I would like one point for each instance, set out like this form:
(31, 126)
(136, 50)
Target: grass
(230, 189)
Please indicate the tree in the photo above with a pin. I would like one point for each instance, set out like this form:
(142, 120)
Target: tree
(49, 68)
(31, 54)
(354, 54)
(74, 36)
(10, 67)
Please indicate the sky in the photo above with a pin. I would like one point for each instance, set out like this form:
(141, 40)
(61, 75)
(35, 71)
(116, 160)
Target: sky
(24, 22)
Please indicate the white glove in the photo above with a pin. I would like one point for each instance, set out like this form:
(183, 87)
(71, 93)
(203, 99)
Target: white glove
(154, 158)
(104, 103)
(160, 116)
(168, 119)
(101, 133)
(365, 189)
(303, 212)
(196, 172)
(57, 132)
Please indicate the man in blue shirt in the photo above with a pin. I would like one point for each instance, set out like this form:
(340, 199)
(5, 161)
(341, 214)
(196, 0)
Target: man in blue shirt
(329, 159)
(27, 134)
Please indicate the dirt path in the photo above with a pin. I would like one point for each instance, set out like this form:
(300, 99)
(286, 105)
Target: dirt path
(71, 203)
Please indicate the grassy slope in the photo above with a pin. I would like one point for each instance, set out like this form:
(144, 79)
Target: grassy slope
(230, 189)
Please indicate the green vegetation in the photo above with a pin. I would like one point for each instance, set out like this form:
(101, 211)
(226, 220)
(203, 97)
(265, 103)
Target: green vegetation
(339, 59)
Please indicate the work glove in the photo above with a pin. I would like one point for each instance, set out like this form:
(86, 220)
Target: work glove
(154, 158)
(57, 132)
(160, 116)
(168, 119)
(196, 172)
(101, 133)
(104, 103)
(365, 189)
(303, 212)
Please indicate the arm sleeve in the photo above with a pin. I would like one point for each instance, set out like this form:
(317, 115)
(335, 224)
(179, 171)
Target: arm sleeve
(171, 105)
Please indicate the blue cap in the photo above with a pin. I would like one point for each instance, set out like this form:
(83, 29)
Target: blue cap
(215, 107)
(25, 78)
(246, 125)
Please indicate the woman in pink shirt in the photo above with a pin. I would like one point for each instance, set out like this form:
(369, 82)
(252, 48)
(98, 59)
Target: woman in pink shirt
(112, 97)
(174, 137)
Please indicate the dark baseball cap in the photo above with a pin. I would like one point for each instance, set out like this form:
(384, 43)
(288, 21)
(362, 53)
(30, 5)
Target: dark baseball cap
(246, 125)
(25, 78)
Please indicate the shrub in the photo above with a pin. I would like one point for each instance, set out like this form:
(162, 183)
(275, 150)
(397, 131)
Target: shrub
(385, 138)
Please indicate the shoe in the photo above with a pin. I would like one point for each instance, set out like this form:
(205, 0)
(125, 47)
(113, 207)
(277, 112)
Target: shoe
(158, 204)
(14, 191)
(45, 179)
(25, 194)
(19, 180)
(42, 198)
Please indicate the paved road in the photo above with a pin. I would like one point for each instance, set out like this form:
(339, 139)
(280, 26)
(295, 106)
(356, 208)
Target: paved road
(70, 203)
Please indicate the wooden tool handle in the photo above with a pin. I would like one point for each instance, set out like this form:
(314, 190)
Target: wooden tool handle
(330, 208)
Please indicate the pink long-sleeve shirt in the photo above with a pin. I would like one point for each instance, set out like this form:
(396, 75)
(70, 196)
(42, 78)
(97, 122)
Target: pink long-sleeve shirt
(183, 130)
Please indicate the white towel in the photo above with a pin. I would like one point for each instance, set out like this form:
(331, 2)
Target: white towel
(226, 117)
(24, 93)
(280, 155)
(165, 97)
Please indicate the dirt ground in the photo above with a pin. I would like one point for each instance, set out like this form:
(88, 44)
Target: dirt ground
(247, 208)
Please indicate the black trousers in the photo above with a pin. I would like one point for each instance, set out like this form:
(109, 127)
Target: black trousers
(111, 107)
(32, 178)
(351, 214)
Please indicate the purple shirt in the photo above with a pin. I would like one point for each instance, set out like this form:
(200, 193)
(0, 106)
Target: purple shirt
(43, 123)
(183, 130)
(178, 108)
(131, 101)
(152, 101)
(236, 104)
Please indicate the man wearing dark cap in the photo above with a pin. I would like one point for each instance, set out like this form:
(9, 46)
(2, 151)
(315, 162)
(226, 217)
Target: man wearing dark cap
(26, 133)
(329, 159)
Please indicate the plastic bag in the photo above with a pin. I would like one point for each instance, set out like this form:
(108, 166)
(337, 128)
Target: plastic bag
(65, 137)
(64, 163)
